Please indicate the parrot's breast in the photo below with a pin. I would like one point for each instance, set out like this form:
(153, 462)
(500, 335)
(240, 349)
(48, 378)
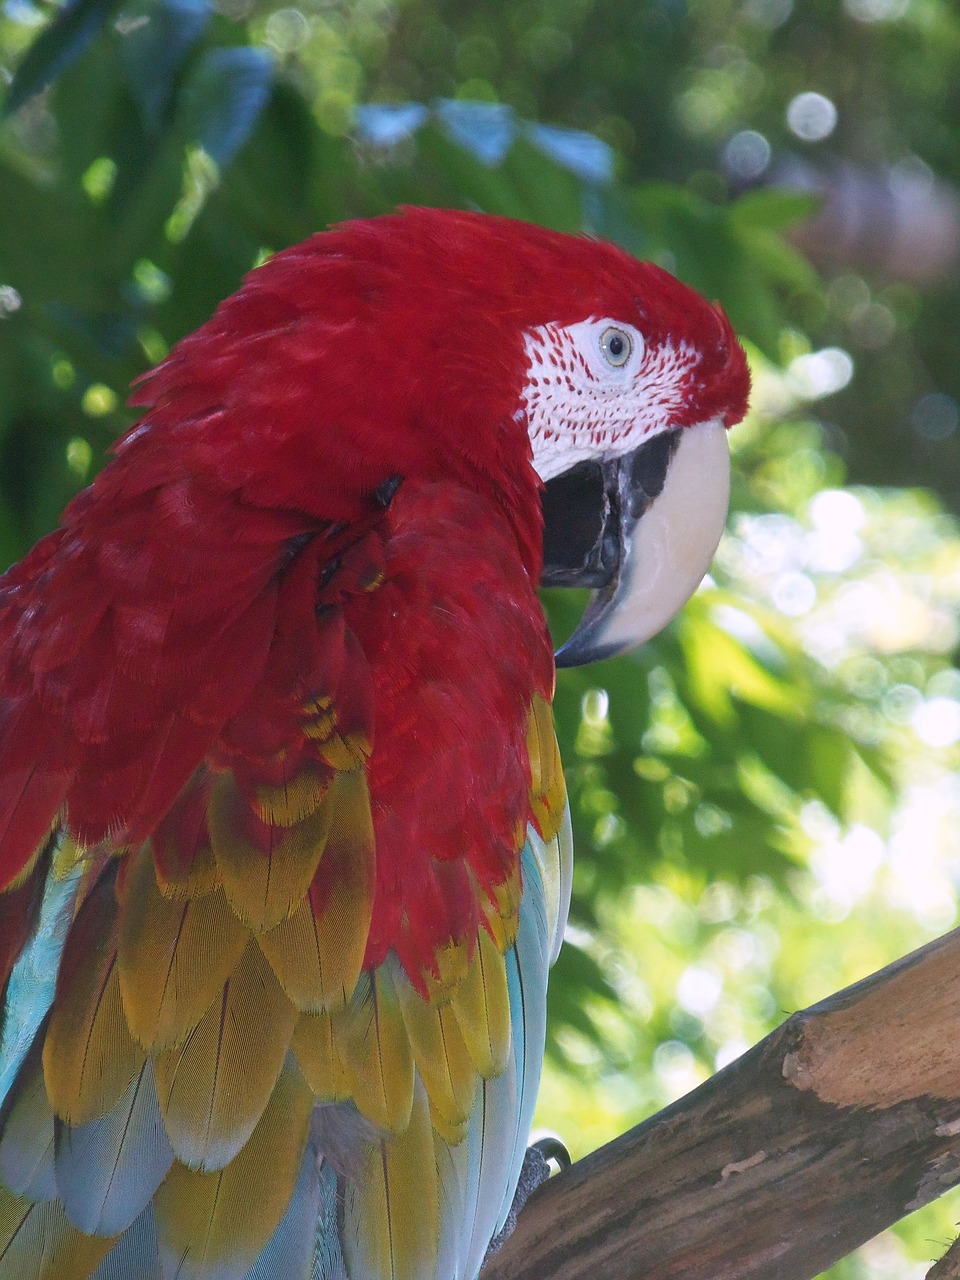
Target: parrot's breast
(458, 652)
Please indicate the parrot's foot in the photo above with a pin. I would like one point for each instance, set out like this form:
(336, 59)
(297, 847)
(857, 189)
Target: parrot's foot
(534, 1171)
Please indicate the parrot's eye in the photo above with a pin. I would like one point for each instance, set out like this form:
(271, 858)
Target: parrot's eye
(616, 346)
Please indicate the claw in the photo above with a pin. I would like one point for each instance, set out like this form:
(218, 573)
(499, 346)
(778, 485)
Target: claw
(553, 1150)
(534, 1172)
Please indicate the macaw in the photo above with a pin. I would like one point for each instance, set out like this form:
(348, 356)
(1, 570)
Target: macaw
(284, 841)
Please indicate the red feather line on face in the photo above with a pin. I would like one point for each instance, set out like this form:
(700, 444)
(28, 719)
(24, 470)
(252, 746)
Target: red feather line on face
(295, 721)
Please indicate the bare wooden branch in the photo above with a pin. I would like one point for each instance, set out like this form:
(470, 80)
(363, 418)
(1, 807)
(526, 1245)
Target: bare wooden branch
(842, 1121)
(948, 1268)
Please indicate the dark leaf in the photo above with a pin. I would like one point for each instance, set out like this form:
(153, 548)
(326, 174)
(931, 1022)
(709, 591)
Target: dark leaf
(56, 47)
(224, 98)
(156, 39)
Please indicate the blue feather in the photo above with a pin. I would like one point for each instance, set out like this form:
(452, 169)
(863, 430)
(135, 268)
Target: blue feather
(290, 1252)
(328, 1257)
(136, 1255)
(34, 977)
(479, 1176)
(109, 1168)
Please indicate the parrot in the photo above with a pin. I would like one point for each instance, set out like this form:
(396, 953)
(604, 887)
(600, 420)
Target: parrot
(285, 845)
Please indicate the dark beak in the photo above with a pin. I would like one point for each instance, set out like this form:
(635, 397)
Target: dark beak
(641, 530)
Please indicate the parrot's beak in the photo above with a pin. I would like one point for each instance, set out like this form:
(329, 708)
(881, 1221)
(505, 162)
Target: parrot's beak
(641, 529)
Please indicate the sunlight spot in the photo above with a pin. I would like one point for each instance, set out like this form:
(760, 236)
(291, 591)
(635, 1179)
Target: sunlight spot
(79, 456)
(846, 868)
(817, 822)
(153, 284)
(699, 989)
(837, 511)
(595, 707)
(739, 949)
(10, 300)
(834, 546)
(710, 819)
(719, 902)
(811, 117)
(729, 1052)
(821, 373)
(876, 10)
(923, 838)
(98, 400)
(677, 1068)
(98, 179)
(287, 30)
(937, 722)
(768, 14)
(794, 594)
(62, 373)
(153, 344)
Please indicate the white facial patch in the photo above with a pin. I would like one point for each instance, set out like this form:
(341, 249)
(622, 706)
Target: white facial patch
(596, 389)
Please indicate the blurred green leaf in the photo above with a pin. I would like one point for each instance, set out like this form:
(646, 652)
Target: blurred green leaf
(61, 42)
(773, 209)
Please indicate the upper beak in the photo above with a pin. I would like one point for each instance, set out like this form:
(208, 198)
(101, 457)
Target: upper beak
(641, 529)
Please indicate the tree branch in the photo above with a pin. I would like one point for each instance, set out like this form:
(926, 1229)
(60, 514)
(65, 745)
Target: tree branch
(844, 1119)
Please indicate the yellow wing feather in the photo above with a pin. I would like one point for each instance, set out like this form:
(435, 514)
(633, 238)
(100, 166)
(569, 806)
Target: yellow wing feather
(441, 1058)
(392, 1210)
(296, 799)
(317, 1053)
(174, 955)
(501, 910)
(218, 1222)
(265, 887)
(318, 962)
(214, 1087)
(89, 1055)
(548, 790)
(377, 1060)
(300, 957)
(201, 877)
(38, 1242)
(481, 1004)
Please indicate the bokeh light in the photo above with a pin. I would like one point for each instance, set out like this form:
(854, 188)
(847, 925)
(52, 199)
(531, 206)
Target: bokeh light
(811, 117)
(747, 155)
(935, 416)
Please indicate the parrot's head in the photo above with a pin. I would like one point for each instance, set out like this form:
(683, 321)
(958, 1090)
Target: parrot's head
(587, 393)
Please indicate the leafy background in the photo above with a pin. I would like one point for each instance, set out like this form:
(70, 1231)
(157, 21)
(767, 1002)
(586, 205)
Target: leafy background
(765, 798)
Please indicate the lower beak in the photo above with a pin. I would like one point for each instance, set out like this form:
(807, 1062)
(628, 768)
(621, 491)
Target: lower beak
(641, 529)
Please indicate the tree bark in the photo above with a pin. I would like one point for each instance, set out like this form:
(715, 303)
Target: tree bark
(948, 1268)
(840, 1122)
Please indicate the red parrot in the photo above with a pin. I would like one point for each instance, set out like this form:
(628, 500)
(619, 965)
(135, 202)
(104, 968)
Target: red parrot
(284, 845)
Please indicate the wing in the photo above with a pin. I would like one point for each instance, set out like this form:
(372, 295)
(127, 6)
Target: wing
(429, 1197)
(298, 1015)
